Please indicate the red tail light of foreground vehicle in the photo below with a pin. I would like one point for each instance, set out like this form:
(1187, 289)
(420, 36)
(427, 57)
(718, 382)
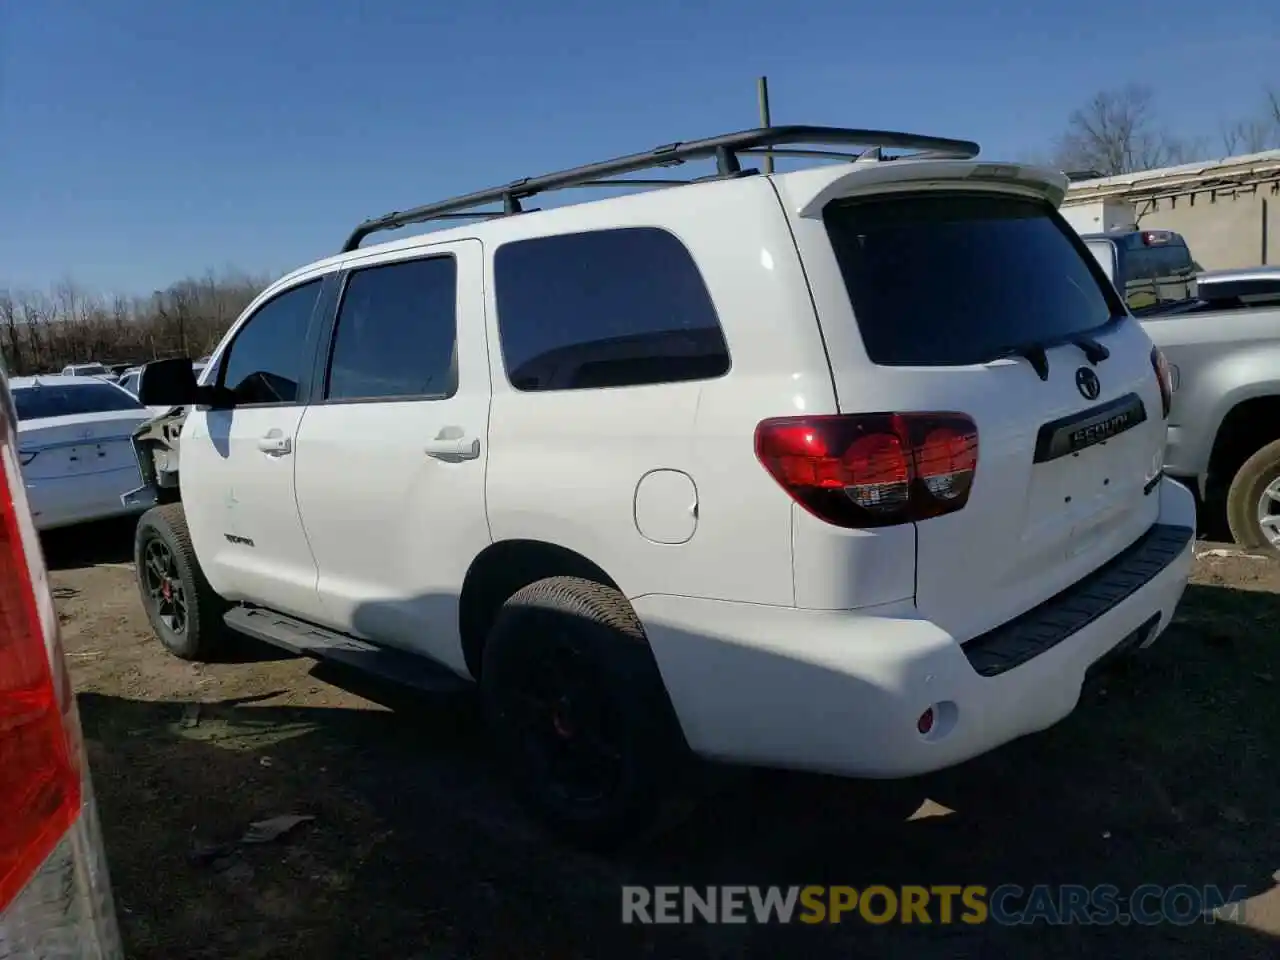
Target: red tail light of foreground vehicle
(54, 895)
(872, 470)
(39, 784)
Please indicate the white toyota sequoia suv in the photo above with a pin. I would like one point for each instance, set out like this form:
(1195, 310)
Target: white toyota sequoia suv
(854, 468)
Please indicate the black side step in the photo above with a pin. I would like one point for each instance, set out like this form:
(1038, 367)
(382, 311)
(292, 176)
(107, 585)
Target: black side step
(308, 640)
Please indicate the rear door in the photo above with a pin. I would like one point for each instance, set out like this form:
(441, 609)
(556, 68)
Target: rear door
(985, 303)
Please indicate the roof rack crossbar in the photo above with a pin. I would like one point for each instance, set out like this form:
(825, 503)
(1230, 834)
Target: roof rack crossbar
(725, 150)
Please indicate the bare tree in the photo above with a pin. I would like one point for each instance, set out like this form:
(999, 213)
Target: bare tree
(1246, 136)
(1257, 133)
(1118, 131)
(42, 332)
(12, 347)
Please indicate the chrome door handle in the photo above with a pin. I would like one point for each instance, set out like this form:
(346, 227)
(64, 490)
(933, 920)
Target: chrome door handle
(461, 448)
(275, 445)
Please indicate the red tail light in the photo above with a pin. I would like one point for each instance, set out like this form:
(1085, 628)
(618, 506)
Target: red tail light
(872, 470)
(40, 791)
(1165, 378)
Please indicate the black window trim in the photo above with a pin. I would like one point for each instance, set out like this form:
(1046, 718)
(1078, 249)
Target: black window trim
(497, 325)
(328, 338)
(306, 365)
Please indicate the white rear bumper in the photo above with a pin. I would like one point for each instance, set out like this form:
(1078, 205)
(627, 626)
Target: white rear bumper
(841, 691)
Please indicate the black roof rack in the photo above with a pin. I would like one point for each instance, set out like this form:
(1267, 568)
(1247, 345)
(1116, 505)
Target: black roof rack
(726, 150)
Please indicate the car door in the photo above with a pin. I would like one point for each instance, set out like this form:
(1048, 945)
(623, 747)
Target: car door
(390, 460)
(237, 464)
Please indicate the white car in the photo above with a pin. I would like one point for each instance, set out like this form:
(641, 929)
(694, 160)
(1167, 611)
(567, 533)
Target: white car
(85, 370)
(55, 894)
(75, 447)
(855, 468)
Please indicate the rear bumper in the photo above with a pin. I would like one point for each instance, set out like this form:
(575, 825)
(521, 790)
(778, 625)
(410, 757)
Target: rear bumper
(841, 691)
(62, 501)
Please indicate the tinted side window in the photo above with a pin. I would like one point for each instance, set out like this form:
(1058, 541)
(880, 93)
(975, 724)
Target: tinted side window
(609, 308)
(396, 332)
(264, 362)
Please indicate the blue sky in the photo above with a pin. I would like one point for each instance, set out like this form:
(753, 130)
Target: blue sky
(142, 140)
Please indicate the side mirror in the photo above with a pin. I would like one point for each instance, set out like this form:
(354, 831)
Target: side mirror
(167, 383)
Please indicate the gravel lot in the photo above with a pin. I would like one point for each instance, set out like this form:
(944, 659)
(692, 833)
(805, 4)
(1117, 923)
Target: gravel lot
(1167, 773)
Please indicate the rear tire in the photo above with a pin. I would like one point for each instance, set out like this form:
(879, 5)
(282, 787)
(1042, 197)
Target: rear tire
(579, 711)
(1256, 485)
(183, 609)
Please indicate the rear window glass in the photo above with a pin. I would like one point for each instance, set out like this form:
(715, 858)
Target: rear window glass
(1156, 275)
(36, 403)
(951, 279)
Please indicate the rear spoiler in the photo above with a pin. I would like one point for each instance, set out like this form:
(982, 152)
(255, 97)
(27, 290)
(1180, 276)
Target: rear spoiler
(1049, 184)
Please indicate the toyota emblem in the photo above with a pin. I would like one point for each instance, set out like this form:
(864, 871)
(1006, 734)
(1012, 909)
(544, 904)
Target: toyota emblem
(1087, 383)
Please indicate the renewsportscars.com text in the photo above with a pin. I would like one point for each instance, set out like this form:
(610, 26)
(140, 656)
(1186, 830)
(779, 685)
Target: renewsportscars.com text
(1007, 905)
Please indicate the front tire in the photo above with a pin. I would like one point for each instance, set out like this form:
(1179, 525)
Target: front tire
(184, 611)
(1253, 500)
(579, 711)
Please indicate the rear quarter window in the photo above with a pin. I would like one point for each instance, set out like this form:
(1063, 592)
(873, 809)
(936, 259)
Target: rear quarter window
(608, 308)
(948, 279)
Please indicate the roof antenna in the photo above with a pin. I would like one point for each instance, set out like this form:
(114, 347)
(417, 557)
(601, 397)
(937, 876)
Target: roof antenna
(762, 94)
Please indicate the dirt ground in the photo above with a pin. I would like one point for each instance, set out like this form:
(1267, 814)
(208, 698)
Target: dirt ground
(1167, 773)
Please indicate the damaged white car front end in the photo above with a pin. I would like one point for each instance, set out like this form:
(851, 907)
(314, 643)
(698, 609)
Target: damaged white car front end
(155, 444)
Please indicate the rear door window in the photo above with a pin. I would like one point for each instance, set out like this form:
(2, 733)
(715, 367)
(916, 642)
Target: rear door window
(951, 279)
(396, 333)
